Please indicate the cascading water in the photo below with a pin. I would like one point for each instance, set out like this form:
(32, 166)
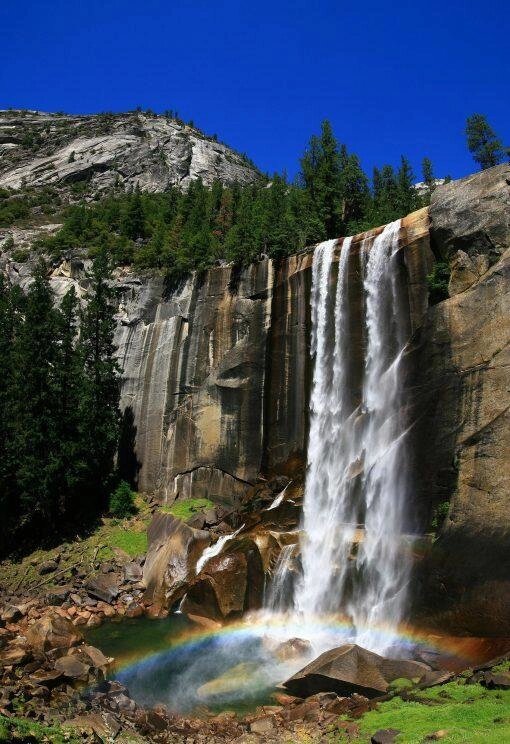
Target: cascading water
(280, 588)
(355, 493)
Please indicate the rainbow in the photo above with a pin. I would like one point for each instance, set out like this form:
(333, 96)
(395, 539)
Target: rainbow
(281, 627)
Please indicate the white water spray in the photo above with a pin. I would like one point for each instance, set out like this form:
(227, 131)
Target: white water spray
(213, 550)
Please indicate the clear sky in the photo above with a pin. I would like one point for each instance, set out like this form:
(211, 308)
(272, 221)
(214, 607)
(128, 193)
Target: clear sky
(393, 78)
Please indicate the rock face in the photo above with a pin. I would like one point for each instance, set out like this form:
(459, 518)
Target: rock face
(462, 362)
(217, 372)
(106, 150)
(194, 367)
(350, 669)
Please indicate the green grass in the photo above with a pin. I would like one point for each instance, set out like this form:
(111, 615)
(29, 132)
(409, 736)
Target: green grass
(470, 714)
(188, 508)
(503, 667)
(16, 728)
(130, 541)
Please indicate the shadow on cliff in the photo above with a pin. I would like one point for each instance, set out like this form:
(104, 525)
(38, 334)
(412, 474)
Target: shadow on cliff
(128, 465)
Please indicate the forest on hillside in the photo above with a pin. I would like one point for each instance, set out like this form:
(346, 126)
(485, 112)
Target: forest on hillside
(177, 232)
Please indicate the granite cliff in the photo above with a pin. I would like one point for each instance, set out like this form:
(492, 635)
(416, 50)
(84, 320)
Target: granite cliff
(102, 151)
(217, 376)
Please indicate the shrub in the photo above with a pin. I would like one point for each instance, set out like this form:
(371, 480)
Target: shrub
(439, 514)
(437, 282)
(122, 501)
(20, 255)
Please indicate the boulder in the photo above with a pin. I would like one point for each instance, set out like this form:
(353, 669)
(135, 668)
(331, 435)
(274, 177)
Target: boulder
(58, 595)
(52, 631)
(47, 567)
(11, 614)
(15, 654)
(384, 736)
(350, 668)
(294, 648)
(72, 668)
(92, 657)
(133, 572)
(262, 725)
(497, 680)
(46, 677)
(104, 587)
(173, 552)
(229, 584)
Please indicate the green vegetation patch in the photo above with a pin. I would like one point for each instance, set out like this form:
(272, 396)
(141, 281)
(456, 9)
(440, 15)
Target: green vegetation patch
(188, 508)
(437, 282)
(467, 713)
(14, 729)
(84, 552)
(132, 542)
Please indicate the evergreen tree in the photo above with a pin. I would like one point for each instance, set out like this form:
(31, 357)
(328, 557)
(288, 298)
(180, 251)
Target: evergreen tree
(70, 465)
(320, 168)
(483, 143)
(407, 199)
(99, 404)
(134, 219)
(354, 191)
(10, 318)
(33, 446)
(428, 173)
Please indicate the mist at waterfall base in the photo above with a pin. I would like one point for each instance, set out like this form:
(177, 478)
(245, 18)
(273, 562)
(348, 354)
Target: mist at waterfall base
(347, 579)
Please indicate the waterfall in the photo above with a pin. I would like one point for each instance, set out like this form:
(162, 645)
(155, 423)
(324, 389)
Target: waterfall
(280, 588)
(355, 493)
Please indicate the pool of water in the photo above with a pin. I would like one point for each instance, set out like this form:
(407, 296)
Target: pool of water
(175, 663)
(172, 662)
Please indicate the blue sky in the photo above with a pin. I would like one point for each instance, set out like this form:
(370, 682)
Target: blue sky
(393, 78)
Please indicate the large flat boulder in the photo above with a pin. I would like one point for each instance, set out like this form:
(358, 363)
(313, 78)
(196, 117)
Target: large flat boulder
(104, 587)
(173, 552)
(351, 669)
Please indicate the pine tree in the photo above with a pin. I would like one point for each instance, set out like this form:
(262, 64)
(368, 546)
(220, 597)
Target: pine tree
(33, 446)
(407, 199)
(99, 404)
(320, 171)
(70, 465)
(483, 143)
(428, 173)
(133, 226)
(354, 192)
(10, 317)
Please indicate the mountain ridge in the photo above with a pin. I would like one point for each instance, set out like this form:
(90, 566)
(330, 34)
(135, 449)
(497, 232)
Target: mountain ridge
(91, 154)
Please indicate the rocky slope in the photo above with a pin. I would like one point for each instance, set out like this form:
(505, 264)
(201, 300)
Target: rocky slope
(103, 151)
